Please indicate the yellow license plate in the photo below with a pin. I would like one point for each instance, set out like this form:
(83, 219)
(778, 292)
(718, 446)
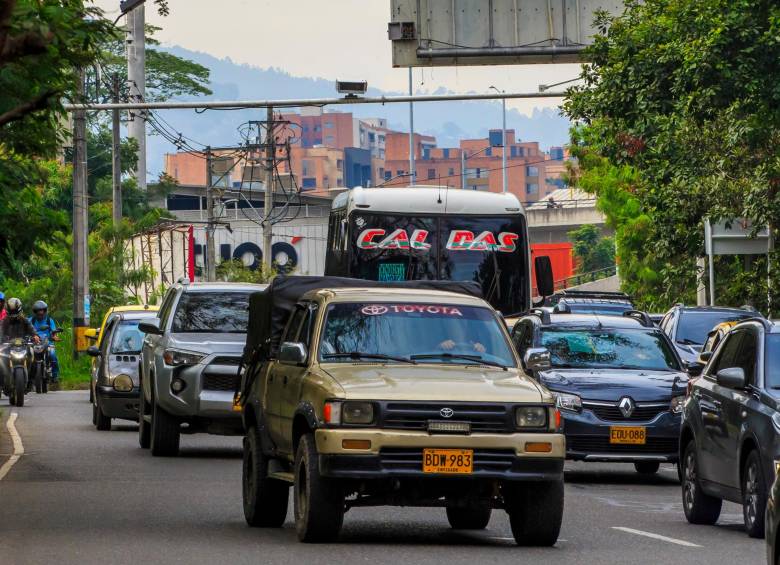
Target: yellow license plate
(448, 461)
(632, 435)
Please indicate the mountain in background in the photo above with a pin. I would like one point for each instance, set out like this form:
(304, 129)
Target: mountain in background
(447, 121)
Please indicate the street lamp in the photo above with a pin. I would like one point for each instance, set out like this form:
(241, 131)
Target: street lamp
(503, 140)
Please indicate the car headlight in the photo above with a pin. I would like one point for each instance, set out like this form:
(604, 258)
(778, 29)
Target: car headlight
(531, 417)
(338, 412)
(570, 402)
(177, 357)
(678, 402)
(123, 383)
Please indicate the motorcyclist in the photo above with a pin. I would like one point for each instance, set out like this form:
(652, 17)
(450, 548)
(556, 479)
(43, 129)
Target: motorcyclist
(15, 324)
(40, 320)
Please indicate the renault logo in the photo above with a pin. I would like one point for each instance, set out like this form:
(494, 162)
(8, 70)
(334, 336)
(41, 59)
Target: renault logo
(626, 406)
(446, 412)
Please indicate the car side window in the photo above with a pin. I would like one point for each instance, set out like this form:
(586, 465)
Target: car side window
(664, 325)
(727, 353)
(746, 358)
(165, 309)
(518, 334)
(294, 324)
(307, 327)
(106, 337)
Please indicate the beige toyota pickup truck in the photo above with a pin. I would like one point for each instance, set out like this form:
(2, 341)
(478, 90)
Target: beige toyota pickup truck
(400, 394)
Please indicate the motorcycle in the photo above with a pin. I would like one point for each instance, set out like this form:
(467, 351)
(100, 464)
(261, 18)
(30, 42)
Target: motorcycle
(40, 371)
(16, 358)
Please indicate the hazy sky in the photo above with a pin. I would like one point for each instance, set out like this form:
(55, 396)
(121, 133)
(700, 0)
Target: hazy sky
(331, 39)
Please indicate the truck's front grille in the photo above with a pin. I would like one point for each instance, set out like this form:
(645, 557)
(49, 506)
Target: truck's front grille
(484, 418)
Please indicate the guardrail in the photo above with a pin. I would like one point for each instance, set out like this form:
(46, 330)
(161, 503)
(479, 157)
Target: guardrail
(581, 278)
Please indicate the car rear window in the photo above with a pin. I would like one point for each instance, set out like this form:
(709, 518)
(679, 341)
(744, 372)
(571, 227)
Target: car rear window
(212, 312)
(694, 326)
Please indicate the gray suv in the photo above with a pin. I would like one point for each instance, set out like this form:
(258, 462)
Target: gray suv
(189, 363)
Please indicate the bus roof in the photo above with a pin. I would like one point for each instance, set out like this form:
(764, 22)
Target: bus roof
(428, 199)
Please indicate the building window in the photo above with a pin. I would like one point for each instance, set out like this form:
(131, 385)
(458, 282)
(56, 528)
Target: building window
(309, 183)
(556, 153)
(426, 153)
(531, 188)
(330, 139)
(489, 152)
(381, 140)
(388, 175)
(451, 172)
(339, 164)
(307, 168)
(479, 171)
(495, 138)
(399, 173)
(531, 171)
(381, 172)
(431, 174)
(316, 128)
(381, 153)
(339, 182)
(328, 125)
(371, 137)
(513, 151)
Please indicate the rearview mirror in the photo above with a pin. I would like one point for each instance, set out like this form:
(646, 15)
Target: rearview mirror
(545, 285)
(537, 359)
(733, 377)
(292, 353)
(93, 351)
(694, 368)
(151, 326)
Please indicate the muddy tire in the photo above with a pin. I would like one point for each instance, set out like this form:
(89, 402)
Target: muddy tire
(265, 500)
(535, 511)
(319, 501)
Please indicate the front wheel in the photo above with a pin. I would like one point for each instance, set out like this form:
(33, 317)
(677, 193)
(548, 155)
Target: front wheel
(476, 518)
(165, 432)
(38, 379)
(265, 500)
(102, 422)
(319, 501)
(753, 496)
(20, 384)
(699, 507)
(535, 511)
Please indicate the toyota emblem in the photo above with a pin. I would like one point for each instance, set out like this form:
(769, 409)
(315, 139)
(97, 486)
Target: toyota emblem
(446, 412)
(374, 310)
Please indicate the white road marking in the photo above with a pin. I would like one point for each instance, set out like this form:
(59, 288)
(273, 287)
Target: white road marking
(656, 536)
(18, 446)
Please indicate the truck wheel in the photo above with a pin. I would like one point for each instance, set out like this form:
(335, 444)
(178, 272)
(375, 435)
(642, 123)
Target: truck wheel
(468, 518)
(535, 511)
(102, 422)
(319, 502)
(20, 378)
(753, 496)
(265, 500)
(647, 467)
(165, 432)
(699, 507)
(144, 430)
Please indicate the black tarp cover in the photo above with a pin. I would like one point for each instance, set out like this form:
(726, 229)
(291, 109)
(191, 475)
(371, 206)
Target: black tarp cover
(270, 308)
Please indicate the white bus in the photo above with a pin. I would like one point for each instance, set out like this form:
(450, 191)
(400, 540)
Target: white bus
(433, 233)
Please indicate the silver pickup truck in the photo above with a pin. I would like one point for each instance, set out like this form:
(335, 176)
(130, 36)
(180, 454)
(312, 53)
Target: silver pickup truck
(189, 363)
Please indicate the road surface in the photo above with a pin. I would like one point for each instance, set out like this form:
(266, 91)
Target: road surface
(85, 497)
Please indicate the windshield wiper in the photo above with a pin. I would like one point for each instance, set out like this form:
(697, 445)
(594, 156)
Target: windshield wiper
(687, 341)
(475, 358)
(363, 355)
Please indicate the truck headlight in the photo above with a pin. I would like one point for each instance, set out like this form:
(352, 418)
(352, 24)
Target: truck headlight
(337, 412)
(678, 402)
(123, 383)
(570, 402)
(178, 358)
(527, 417)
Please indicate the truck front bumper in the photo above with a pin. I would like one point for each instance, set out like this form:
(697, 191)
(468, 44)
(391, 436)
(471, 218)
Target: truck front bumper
(400, 453)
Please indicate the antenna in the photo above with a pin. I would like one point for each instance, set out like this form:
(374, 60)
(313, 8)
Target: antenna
(438, 200)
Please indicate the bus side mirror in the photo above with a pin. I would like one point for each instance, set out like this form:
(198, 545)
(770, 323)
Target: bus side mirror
(544, 276)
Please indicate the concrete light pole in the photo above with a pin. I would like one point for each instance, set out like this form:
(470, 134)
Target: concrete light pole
(136, 82)
(503, 141)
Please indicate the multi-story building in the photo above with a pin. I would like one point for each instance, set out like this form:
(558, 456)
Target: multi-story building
(371, 134)
(313, 127)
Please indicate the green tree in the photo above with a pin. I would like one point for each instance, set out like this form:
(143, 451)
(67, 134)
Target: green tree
(678, 119)
(593, 251)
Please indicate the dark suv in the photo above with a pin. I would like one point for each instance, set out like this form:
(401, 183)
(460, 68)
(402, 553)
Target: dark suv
(689, 326)
(729, 437)
(591, 302)
(617, 380)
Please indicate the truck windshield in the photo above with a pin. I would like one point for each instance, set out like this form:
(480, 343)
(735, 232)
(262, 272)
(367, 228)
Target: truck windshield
(490, 251)
(609, 349)
(212, 312)
(425, 333)
(127, 338)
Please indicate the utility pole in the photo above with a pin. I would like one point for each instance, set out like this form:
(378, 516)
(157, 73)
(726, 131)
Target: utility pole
(412, 166)
(211, 247)
(268, 201)
(463, 169)
(503, 148)
(136, 82)
(116, 160)
(80, 209)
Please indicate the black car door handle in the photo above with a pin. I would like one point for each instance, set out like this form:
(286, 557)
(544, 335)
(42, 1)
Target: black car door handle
(285, 380)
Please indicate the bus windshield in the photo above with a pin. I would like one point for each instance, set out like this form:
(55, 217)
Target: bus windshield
(488, 250)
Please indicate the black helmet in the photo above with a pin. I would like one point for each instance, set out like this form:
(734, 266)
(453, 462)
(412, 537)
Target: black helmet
(39, 305)
(14, 308)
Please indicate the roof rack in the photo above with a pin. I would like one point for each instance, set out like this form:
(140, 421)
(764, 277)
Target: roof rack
(766, 323)
(609, 295)
(543, 314)
(640, 316)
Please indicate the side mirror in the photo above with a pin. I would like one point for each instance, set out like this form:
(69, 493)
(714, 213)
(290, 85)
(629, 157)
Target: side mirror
(537, 359)
(733, 377)
(292, 353)
(705, 356)
(151, 326)
(545, 284)
(93, 351)
(694, 368)
(91, 333)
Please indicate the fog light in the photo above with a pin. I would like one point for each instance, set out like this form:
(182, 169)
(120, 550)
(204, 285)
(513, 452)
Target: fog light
(356, 444)
(178, 385)
(538, 447)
